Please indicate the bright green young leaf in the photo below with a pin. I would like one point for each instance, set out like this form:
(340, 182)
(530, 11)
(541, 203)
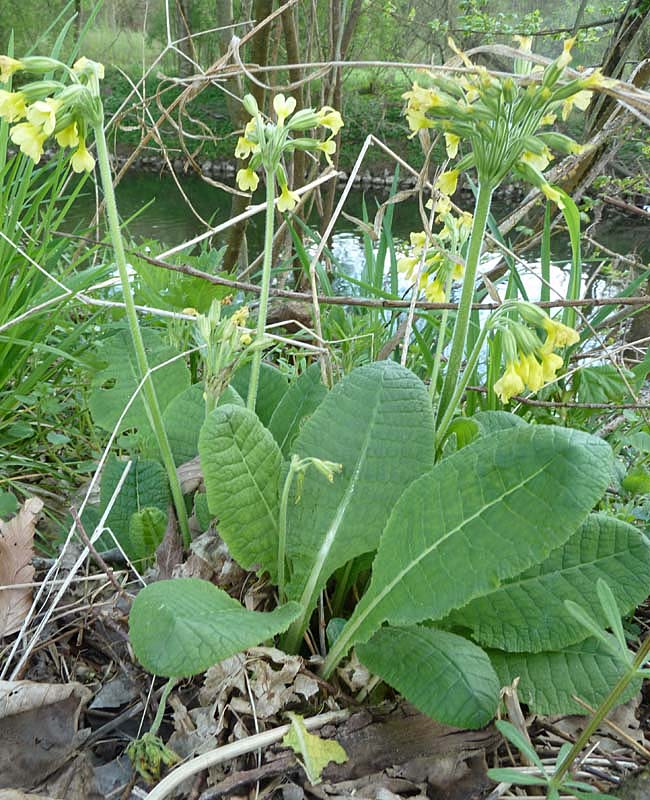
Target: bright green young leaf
(527, 613)
(272, 387)
(302, 399)
(145, 487)
(181, 627)
(315, 753)
(184, 417)
(444, 675)
(378, 424)
(482, 515)
(549, 680)
(603, 383)
(146, 531)
(113, 386)
(241, 466)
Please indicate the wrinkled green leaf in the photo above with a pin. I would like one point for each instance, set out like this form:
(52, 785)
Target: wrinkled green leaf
(113, 386)
(549, 680)
(181, 627)
(527, 613)
(482, 515)
(271, 389)
(241, 466)
(445, 676)
(493, 421)
(378, 424)
(603, 383)
(146, 531)
(184, 417)
(302, 399)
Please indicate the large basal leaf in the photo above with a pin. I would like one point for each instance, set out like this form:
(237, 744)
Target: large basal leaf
(445, 676)
(302, 399)
(113, 386)
(549, 680)
(145, 486)
(181, 627)
(493, 421)
(241, 464)
(184, 417)
(528, 614)
(271, 388)
(484, 514)
(378, 424)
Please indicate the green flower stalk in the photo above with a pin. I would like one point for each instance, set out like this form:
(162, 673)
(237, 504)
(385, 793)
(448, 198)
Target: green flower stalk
(501, 122)
(68, 111)
(266, 143)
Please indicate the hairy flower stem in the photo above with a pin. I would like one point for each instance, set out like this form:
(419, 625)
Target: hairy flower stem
(150, 397)
(294, 468)
(459, 336)
(269, 225)
(602, 711)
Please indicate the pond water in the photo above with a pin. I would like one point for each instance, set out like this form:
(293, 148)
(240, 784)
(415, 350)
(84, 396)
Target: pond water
(157, 210)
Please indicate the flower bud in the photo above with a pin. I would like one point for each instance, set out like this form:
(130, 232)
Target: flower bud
(250, 104)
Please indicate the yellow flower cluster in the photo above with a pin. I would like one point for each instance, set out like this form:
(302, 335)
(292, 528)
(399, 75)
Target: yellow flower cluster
(498, 120)
(531, 363)
(266, 142)
(440, 255)
(50, 108)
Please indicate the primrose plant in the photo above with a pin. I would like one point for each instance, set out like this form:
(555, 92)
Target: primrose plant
(450, 578)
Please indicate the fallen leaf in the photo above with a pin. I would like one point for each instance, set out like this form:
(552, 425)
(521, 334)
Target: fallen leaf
(16, 553)
(315, 753)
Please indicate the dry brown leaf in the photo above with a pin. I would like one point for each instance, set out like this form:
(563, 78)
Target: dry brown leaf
(16, 553)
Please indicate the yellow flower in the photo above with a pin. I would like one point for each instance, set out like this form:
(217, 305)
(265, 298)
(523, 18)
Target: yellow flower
(435, 292)
(580, 100)
(190, 311)
(251, 127)
(30, 139)
(407, 264)
(42, 113)
(329, 148)
(446, 183)
(417, 120)
(596, 80)
(247, 180)
(245, 339)
(558, 335)
(509, 384)
(553, 195)
(12, 105)
(548, 119)
(284, 107)
(551, 362)
(81, 160)
(535, 372)
(68, 137)
(537, 160)
(452, 141)
(420, 99)
(245, 147)
(442, 207)
(240, 316)
(525, 43)
(418, 239)
(330, 118)
(458, 271)
(8, 66)
(287, 200)
(565, 57)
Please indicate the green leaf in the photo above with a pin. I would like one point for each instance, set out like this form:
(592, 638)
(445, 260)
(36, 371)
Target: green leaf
(8, 504)
(549, 680)
(181, 627)
(302, 399)
(184, 417)
(514, 735)
(112, 386)
(493, 421)
(640, 441)
(444, 675)
(527, 613)
(482, 515)
(603, 383)
(315, 753)
(637, 481)
(272, 387)
(146, 531)
(241, 466)
(144, 487)
(378, 424)
(201, 511)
